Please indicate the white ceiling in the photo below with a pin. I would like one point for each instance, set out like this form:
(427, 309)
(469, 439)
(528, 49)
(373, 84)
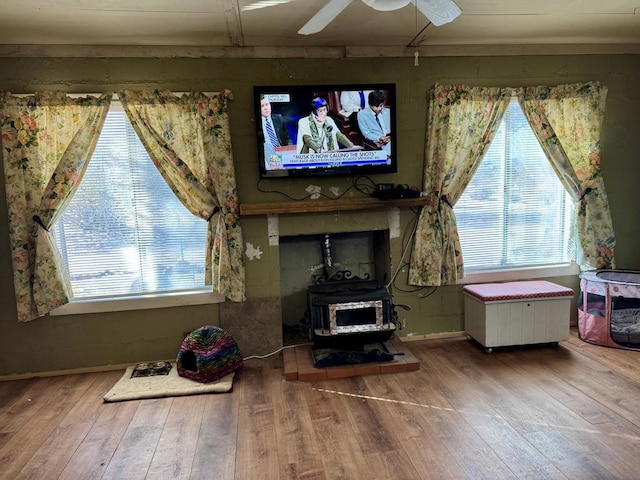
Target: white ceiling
(228, 23)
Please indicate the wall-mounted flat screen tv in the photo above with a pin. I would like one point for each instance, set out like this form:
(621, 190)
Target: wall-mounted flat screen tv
(320, 130)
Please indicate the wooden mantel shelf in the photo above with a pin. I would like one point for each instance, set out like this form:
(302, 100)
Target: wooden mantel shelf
(322, 206)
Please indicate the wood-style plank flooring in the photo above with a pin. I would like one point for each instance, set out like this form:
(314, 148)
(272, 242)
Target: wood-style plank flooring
(566, 412)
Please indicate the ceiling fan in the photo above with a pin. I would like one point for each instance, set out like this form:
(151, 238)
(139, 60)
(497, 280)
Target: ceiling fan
(438, 12)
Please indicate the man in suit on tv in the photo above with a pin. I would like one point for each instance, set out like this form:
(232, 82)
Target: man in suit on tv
(274, 129)
(374, 122)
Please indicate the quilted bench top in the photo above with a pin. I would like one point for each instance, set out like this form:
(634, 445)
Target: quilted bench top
(493, 292)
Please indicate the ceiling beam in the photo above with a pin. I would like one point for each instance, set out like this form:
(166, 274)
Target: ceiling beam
(234, 24)
(160, 51)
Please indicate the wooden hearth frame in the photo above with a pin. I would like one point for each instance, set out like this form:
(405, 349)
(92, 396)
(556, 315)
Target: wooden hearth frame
(298, 364)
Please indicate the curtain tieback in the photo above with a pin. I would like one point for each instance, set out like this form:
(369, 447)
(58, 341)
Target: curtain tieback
(215, 210)
(39, 221)
(585, 193)
(444, 199)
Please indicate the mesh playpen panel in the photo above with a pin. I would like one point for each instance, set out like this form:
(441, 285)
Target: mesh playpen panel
(609, 308)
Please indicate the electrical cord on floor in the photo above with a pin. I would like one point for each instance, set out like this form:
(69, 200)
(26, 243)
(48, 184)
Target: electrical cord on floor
(276, 351)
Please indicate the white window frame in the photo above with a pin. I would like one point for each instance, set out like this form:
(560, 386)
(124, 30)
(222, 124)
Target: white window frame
(516, 274)
(141, 302)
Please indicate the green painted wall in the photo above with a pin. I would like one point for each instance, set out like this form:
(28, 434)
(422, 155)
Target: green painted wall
(56, 343)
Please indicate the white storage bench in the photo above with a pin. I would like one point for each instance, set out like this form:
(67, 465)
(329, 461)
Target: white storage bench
(517, 313)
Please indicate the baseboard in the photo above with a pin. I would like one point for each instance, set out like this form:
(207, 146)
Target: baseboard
(71, 371)
(431, 336)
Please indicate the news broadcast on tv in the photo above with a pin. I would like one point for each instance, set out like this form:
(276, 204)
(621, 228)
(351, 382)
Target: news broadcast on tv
(326, 130)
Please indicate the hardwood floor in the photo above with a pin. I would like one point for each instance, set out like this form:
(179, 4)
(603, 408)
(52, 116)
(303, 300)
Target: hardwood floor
(569, 412)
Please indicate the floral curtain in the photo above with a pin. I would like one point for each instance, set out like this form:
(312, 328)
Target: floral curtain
(47, 141)
(189, 141)
(461, 122)
(567, 121)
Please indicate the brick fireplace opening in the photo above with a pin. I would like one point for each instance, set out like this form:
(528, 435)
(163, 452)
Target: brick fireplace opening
(362, 231)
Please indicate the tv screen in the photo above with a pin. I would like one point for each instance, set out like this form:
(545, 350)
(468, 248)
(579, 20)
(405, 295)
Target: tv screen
(320, 130)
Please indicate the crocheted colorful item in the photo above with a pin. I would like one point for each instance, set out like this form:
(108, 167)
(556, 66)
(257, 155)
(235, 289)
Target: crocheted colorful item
(208, 354)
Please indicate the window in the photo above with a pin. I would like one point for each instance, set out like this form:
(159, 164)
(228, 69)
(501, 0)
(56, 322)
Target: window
(515, 213)
(125, 233)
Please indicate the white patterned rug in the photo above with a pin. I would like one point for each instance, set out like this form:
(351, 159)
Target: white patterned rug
(171, 385)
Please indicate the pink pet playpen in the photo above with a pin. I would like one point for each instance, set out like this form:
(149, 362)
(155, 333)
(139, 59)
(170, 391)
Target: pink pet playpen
(609, 308)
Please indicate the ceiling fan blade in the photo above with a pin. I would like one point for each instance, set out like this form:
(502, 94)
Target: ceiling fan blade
(438, 12)
(386, 5)
(324, 16)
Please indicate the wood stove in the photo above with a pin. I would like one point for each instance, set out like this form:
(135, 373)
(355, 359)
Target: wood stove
(345, 313)
(348, 318)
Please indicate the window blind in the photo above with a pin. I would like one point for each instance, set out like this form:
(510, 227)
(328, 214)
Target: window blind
(125, 232)
(515, 212)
